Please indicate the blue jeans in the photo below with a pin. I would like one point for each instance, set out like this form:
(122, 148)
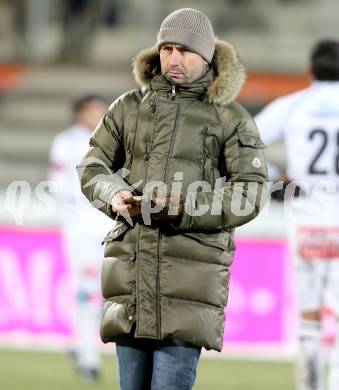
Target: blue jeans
(146, 364)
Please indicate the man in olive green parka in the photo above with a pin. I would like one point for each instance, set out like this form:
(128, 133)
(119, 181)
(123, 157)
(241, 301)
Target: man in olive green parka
(179, 164)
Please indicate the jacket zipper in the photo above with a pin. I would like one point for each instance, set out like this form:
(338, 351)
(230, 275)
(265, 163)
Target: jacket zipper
(173, 93)
(171, 142)
(212, 176)
(204, 154)
(131, 143)
(149, 146)
(146, 154)
(158, 288)
(159, 232)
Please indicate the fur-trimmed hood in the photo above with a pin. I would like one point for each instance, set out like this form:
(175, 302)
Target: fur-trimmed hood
(229, 73)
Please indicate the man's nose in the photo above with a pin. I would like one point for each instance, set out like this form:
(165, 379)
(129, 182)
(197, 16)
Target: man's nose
(174, 58)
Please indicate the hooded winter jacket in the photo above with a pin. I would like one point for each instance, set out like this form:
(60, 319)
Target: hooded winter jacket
(171, 279)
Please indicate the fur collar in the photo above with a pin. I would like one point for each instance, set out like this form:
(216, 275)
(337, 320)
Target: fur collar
(229, 72)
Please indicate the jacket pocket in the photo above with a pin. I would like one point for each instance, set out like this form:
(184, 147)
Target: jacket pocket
(117, 244)
(118, 270)
(252, 160)
(117, 318)
(128, 158)
(116, 233)
(211, 156)
(219, 240)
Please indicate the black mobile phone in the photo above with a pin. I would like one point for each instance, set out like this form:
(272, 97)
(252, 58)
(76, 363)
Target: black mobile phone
(135, 201)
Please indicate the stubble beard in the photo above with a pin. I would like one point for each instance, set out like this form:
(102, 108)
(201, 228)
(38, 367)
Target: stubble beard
(188, 79)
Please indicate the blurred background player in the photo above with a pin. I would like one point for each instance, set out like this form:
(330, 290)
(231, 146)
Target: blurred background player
(83, 227)
(308, 122)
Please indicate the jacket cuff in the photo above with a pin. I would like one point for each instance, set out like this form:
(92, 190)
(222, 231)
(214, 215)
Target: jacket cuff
(108, 198)
(200, 213)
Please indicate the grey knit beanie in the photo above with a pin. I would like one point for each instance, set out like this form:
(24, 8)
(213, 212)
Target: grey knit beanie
(190, 28)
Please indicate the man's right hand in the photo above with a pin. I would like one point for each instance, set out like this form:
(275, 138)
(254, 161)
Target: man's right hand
(124, 201)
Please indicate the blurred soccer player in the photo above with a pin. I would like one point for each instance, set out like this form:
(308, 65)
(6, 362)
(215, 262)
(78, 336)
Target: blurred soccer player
(83, 228)
(308, 121)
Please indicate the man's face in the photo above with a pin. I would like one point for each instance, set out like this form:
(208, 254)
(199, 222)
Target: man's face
(91, 113)
(180, 64)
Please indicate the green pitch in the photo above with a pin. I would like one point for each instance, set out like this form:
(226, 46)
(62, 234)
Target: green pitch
(52, 371)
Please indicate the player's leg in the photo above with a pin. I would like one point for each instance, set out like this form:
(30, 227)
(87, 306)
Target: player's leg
(89, 306)
(311, 353)
(332, 298)
(310, 283)
(83, 255)
(333, 376)
(87, 347)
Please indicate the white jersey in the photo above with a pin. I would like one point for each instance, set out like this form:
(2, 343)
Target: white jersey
(308, 122)
(67, 150)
